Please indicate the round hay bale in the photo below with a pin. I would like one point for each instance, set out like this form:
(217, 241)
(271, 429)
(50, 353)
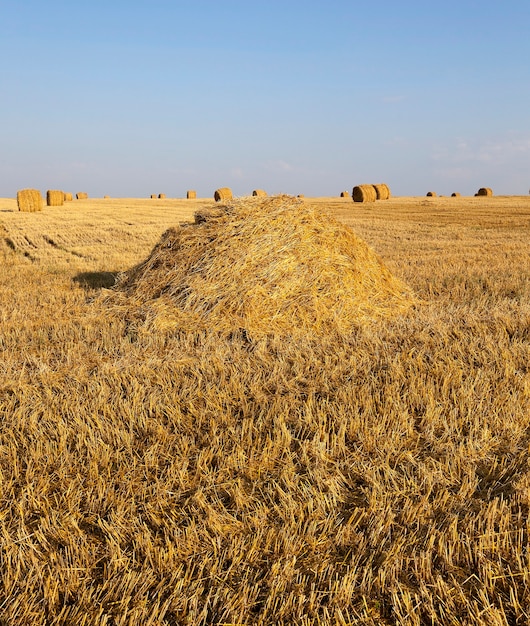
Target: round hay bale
(485, 191)
(161, 195)
(81, 195)
(344, 194)
(191, 194)
(455, 194)
(223, 193)
(300, 195)
(105, 197)
(382, 191)
(54, 198)
(29, 200)
(68, 197)
(153, 196)
(364, 193)
(255, 264)
(431, 194)
(259, 193)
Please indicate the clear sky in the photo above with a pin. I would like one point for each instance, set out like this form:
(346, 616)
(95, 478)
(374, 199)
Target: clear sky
(129, 98)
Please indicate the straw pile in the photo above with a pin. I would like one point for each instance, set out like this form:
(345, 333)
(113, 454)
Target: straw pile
(364, 193)
(344, 194)
(29, 200)
(382, 191)
(191, 195)
(68, 197)
(223, 193)
(259, 193)
(161, 195)
(455, 194)
(431, 194)
(54, 198)
(260, 266)
(484, 191)
(81, 195)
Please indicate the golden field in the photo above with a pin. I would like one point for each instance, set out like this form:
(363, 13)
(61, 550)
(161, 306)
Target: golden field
(157, 477)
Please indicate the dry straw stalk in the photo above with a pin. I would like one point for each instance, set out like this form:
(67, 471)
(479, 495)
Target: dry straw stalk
(29, 200)
(364, 193)
(54, 198)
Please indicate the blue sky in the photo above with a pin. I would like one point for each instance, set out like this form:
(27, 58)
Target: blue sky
(133, 98)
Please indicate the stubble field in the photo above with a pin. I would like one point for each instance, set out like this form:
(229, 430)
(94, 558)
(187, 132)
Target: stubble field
(194, 478)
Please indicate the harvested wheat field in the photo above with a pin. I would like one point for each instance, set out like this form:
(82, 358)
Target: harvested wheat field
(172, 452)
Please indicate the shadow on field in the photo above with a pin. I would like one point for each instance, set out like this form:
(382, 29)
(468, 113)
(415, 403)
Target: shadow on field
(96, 280)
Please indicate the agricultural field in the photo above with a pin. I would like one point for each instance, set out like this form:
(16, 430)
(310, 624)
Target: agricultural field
(168, 466)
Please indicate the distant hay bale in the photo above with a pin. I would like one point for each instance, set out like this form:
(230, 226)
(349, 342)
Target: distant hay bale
(68, 197)
(455, 194)
(344, 194)
(223, 193)
(105, 197)
(484, 191)
(153, 196)
(364, 193)
(300, 195)
(54, 198)
(382, 191)
(81, 195)
(191, 194)
(29, 200)
(259, 193)
(255, 264)
(431, 194)
(161, 195)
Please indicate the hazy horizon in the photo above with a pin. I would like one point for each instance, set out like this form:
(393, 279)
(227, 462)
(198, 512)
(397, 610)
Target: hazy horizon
(129, 99)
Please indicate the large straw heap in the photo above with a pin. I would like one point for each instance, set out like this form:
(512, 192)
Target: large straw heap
(54, 197)
(29, 200)
(263, 265)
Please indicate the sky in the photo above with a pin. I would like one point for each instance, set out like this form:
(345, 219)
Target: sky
(130, 98)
